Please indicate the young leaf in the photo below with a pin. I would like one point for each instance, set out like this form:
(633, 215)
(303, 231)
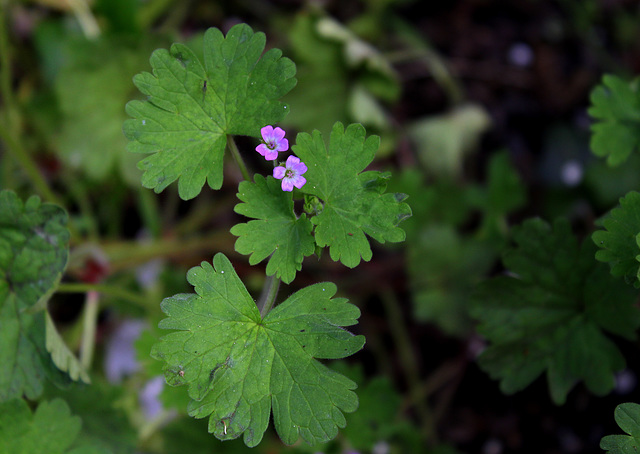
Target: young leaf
(191, 107)
(616, 103)
(628, 418)
(239, 367)
(51, 429)
(354, 203)
(62, 357)
(33, 253)
(277, 230)
(619, 243)
(553, 313)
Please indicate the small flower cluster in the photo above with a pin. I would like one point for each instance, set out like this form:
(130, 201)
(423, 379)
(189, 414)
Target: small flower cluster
(291, 172)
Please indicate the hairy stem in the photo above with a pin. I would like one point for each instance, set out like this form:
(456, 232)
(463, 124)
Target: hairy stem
(236, 156)
(269, 294)
(89, 322)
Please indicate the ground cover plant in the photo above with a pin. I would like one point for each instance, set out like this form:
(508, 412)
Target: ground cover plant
(303, 227)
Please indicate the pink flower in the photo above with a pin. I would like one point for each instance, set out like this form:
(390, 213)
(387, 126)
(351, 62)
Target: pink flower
(274, 142)
(291, 173)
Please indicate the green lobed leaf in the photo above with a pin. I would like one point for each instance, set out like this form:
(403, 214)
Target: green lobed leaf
(628, 418)
(619, 243)
(354, 203)
(240, 367)
(106, 426)
(51, 429)
(553, 313)
(616, 104)
(192, 107)
(277, 231)
(33, 254)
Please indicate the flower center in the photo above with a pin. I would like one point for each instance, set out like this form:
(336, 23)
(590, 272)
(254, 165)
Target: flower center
(289, 173)
(271, 144)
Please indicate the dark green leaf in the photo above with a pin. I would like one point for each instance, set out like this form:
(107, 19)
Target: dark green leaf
(619, 242)
(552, 313)
(628, 418)
(33, 254)
(616, 104)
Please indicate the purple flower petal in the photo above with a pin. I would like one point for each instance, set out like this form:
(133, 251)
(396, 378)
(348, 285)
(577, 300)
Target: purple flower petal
(278, 134)
(274, 142)
(287, 184)
(266, 133)
(283, 145)
(262, 149)
(291, 173)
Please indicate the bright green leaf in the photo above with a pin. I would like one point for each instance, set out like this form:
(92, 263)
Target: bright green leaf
(354, 202)
(50, 430)
(277, 230)
(628, 418)
(62, 357)
(616, 104)
(192, 107)
(239, 367)
(33, 253)
(552, 314)
(619, 242)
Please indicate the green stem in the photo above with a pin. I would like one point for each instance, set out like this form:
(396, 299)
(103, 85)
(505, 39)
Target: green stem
(85, 18)
(407, 357)
(125, 255)
(421, 49)
(236, 156)
(15, 149)
(6, 93)
(89, 323)
(77, 190)
(269, 294)
(149, 210)
(5, 60)
(117, 292)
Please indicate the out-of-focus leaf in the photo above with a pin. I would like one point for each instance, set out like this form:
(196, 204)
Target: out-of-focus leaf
(615, 104)
(552, 314)
(619, 243)
(443, 141)
(62, 357)
(33, 253)
(92, 86)
(51, 429)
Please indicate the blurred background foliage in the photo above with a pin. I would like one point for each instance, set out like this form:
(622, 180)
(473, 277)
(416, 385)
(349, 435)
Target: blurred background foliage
(481, 106)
